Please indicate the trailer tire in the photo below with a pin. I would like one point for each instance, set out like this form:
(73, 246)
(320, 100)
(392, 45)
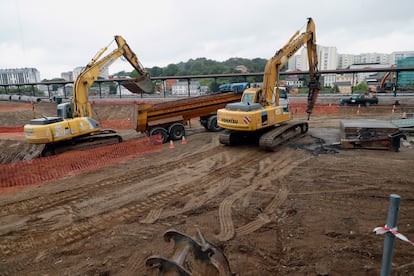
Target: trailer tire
(212, 124)
(160, 131)
(204, 121)
(176, 131)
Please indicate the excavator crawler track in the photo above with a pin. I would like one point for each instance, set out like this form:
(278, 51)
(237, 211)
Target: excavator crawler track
(233, 138)
(272, 139)
(97, 139)
(269, 139)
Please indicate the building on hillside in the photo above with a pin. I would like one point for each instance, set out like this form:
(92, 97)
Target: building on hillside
(168, 84)
(19, 75)
(241, 68)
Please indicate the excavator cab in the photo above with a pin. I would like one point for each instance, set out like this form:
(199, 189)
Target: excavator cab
(249, 101)
(65, 110)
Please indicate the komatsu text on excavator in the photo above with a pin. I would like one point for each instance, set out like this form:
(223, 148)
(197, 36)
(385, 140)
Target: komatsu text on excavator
(260, 114)
(74, 127)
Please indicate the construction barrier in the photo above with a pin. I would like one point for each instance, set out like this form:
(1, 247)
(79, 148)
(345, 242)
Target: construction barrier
(318, 109)
(42, 170)
(11, 129)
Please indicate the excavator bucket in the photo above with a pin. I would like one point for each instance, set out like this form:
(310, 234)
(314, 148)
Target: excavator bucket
(191, 257)
(139, 85)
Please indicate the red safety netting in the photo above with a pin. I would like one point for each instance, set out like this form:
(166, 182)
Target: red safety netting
(43, 170)
(11, 129)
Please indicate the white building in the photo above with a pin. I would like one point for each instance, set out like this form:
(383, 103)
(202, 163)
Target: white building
(370, 58)
(327, 60)
(294, 63)
(77, 71)
(181, 88)
(345, 60)
(67, 76)
(19, 75)
(103, 73)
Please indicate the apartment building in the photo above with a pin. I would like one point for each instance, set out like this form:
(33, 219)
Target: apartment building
(19, 75)
(327, 60)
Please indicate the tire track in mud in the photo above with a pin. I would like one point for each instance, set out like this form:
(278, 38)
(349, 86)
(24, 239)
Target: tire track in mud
(226, 222)
(152, 216)
(215, 188)
(265, 217)
(227, 230)
(83, 228)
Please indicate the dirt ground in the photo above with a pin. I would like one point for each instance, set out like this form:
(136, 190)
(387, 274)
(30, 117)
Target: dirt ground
(305, 209)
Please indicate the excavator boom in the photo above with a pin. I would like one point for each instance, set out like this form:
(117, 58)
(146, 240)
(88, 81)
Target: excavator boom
(282, 56)
(85, 80)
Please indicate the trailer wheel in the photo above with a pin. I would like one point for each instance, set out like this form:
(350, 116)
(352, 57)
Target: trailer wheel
(204, 122)
(176, 131)
(160, 131)
(212, 124)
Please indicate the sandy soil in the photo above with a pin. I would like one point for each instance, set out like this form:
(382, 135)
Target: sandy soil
(305, 209)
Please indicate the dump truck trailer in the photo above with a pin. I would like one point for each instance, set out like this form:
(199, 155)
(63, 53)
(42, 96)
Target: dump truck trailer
(168, 119)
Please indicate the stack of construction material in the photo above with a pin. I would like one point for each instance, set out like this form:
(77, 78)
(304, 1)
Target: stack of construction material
(369, 134)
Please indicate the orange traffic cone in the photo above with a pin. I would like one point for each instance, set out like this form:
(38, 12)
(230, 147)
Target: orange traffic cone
(404, 115)
(183, 141)
(393, 108)
(172, 144)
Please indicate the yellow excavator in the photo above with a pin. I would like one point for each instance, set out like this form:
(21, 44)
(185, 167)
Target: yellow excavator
(261, 115)
(74, 127)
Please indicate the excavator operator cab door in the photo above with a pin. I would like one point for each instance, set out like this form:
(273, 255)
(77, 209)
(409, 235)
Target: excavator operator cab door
(65, 110)
(283, 98)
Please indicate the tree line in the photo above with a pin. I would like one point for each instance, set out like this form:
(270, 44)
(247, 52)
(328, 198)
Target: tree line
(204, 66)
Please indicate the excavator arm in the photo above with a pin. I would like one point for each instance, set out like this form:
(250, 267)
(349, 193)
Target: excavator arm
(81, 104)
(271, 74)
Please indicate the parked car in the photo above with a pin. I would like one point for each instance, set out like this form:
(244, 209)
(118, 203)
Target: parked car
(363, 99)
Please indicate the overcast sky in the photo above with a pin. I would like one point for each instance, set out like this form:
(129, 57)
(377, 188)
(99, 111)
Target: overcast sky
(57, 36)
